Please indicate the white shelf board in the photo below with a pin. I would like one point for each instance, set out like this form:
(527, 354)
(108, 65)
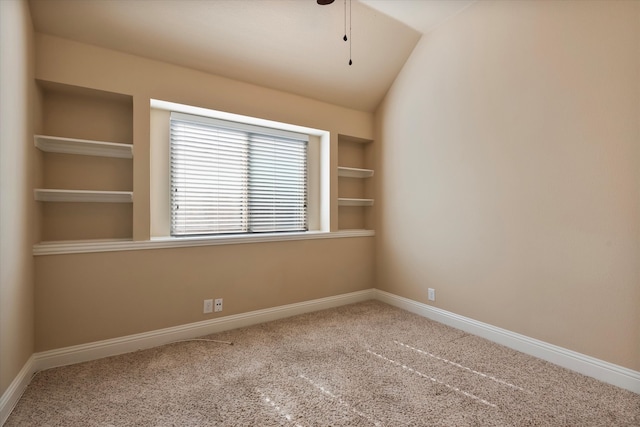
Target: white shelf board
(354, 172)
(85, 147)
(55, 195)
(342, 201)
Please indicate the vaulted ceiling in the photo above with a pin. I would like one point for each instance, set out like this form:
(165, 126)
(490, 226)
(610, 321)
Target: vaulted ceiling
(295, 46)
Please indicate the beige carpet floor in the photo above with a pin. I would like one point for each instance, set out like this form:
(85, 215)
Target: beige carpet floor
(367, 364)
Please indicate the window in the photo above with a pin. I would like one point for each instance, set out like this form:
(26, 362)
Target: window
(230, 178)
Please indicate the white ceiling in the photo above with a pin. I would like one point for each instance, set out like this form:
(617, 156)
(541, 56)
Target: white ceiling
(290, 45)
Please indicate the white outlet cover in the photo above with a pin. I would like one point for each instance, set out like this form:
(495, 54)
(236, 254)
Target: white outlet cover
(431, 294)
(208, 306)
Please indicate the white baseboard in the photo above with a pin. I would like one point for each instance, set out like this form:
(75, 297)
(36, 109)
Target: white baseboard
(96, 350)
(601, 370)
(11, 396)
(586, 365)
(112, 347)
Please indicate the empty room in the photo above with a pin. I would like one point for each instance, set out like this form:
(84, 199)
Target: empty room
(319, 213)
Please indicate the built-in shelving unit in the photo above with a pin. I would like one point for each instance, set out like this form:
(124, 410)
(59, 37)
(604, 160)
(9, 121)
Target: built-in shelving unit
(86, 140)
(355, 157)
(82, 196)
(85, 147)
(55, 144)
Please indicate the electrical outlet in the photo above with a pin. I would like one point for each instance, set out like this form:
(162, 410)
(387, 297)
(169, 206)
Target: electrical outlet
(218, 306)
(431, 294)
(208, 306)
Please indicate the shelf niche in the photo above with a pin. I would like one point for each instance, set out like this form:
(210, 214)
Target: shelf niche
(87, 168)
(355, 186)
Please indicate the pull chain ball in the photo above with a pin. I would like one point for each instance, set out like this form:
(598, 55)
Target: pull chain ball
(345, 38)
(350, 62)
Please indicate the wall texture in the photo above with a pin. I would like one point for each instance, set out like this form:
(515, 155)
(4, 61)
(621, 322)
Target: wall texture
(82, 298)
(18, 174)
(510, 156)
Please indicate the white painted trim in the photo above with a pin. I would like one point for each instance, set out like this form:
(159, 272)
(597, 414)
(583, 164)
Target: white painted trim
(601, 370)
(19, 384)
(97, 350)
(129, 343)
(586, 365)
(222, 115)
(87, 246)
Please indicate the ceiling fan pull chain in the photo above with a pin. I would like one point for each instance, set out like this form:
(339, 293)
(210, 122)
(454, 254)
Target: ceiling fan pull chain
(345, 38)
(345, 21)
(350, 41)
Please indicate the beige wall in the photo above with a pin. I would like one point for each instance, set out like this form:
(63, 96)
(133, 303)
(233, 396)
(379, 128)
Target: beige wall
(18, 101)
(82, 298)
(507, 179)
(90, 297)
(510, 151)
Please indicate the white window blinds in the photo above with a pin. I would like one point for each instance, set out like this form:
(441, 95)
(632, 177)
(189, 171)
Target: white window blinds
(231, 177)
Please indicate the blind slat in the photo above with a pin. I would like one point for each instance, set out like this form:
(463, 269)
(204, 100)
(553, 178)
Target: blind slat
(235, 178)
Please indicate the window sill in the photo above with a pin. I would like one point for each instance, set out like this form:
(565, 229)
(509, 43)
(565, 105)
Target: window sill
(89, 246)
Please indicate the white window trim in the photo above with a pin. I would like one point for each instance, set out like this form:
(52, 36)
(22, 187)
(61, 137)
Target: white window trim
(319, 180)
